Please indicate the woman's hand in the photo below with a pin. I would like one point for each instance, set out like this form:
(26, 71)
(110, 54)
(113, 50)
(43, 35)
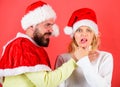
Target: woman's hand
(93, 55)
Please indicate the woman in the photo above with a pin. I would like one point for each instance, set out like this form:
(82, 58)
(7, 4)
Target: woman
(95, 67)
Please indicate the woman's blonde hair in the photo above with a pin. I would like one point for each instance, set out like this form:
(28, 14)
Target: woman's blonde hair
(94, 45)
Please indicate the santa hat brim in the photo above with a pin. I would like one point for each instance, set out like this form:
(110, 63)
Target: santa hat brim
(70, 30)
(38, 15)
(55, 30)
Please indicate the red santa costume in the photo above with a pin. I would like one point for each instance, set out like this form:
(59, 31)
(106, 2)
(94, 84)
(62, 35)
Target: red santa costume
(27, 56)
(28, 65)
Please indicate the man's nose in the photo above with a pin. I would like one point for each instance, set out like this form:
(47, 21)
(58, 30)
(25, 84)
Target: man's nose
(50, 29)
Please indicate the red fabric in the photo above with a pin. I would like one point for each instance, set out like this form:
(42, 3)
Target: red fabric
(34, 6)
(0, 85)
(22, 52)
(80, 14)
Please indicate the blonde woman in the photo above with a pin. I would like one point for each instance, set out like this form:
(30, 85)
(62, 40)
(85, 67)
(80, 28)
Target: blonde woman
(95, 66)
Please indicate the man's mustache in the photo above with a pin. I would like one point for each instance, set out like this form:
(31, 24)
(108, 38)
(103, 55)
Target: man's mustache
(48, 33)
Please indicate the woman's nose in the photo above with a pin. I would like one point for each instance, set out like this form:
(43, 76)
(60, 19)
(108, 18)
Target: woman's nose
(84, 34)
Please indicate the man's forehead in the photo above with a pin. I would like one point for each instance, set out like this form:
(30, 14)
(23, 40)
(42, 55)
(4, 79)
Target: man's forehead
(49, 21)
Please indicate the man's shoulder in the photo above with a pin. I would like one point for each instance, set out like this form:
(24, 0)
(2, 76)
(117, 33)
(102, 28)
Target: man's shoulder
(20, 41)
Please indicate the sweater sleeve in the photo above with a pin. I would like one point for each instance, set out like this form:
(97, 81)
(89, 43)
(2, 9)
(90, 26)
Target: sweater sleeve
(52, 78)
(59, 61)
(104, 75)
(1, 80)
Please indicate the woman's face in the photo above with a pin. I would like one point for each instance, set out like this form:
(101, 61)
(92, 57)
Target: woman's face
(84, 36)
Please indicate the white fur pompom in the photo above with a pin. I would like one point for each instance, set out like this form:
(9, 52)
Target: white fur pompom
(55, 30)
(68, 30)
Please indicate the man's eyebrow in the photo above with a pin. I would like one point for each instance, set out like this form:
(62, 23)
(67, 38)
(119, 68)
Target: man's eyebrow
(49, 24)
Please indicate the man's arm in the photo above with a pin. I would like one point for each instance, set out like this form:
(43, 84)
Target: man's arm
(52, 78)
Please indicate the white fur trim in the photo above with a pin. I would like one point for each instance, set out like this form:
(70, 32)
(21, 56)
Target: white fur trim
(23, 69)
(55, 30)
(68, 30)
(88, 23)
(38, 15)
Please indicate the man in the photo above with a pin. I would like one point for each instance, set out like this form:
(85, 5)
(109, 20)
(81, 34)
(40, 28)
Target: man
(24, 61)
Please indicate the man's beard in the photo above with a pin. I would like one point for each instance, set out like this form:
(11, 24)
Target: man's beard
(40, 39)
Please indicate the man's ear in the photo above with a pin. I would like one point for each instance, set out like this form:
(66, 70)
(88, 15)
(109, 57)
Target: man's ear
(31, 28)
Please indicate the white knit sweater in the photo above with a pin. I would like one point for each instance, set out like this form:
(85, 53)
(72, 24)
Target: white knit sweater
(89, 74)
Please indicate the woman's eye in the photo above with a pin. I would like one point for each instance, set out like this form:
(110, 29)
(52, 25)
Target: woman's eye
(89, 30)
(79, 30)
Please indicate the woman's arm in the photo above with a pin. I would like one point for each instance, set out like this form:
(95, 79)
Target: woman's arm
(104, 75)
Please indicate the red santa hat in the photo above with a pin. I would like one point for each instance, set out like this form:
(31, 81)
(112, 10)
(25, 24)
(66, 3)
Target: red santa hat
(81, 17)
(37, 13)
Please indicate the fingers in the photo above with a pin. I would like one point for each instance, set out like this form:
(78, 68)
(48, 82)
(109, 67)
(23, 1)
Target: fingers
(83, 49)
(93, 55)
(80, 52)
(87, 48)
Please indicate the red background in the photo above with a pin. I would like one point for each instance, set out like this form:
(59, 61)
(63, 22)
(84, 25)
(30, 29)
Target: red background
(108, 15)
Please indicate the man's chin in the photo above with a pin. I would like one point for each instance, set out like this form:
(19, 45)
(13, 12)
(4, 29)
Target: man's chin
(44, 44)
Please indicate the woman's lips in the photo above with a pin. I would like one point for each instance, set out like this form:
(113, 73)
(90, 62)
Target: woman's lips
(83, 40)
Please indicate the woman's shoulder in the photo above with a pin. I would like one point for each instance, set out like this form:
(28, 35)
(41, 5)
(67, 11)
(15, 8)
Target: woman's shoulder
(64, 56)
(104, 53)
